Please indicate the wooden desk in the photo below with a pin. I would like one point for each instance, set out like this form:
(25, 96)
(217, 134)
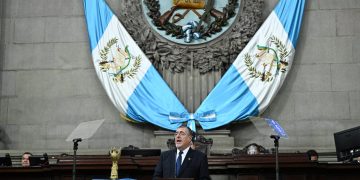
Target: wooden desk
(246, 167)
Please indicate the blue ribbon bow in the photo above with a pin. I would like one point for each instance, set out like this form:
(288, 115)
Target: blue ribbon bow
(208, 116)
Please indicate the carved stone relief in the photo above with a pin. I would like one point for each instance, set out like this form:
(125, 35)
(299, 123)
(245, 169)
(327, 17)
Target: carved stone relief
(216, 55)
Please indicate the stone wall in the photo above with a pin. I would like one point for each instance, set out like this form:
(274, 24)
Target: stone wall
(49, 85)
(2, 8)
(322, 92)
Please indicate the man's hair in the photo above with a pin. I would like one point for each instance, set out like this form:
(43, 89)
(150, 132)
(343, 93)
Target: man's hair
(191, 133)
(312, 152)
(29, 153)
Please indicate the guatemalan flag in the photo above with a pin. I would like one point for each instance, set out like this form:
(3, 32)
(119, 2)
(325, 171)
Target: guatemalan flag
(128, 77)
(258, 72)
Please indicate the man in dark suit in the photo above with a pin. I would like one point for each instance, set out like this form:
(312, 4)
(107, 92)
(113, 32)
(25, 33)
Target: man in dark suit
(182, 162)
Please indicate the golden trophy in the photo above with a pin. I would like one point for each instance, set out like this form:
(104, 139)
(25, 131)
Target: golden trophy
(115, 155)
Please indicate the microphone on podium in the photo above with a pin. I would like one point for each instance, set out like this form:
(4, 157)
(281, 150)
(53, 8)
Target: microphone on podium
(77, 140)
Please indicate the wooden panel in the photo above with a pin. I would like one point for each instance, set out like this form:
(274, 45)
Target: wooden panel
(248, 177)
(246, 167)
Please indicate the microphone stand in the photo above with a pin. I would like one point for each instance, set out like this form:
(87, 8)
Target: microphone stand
(276, 144)
(74, 157)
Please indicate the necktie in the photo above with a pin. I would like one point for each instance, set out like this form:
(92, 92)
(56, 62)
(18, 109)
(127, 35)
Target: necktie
(178, 163)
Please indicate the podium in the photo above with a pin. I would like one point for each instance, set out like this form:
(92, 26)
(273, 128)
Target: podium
(84, 130)
(269, 127)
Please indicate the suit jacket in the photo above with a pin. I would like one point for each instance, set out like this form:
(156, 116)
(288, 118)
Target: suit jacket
(195, 165)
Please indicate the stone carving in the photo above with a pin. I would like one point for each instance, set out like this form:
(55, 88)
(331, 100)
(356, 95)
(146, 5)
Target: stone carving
(162, 21)
(213, 56)
(251, 149)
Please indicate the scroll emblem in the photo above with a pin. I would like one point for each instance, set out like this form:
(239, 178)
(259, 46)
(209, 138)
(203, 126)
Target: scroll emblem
(190, 22)
(118, 62)
(272, 58)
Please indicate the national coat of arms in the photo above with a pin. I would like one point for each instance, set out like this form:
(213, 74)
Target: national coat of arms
(118, 62)
(272, 57)
(167, 53)
(190, 21)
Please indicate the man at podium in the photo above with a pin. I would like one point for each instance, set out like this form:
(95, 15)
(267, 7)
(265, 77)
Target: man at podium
(182, 162)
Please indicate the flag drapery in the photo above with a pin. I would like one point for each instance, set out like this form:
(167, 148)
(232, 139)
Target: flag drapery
(255, 77)
(128, 77)
(246, 89)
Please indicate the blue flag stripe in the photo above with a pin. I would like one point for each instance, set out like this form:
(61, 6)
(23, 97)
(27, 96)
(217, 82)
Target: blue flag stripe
(235, 98)
(98, 15)
(290, 14)
(153, 100)
(143, 96)
(231, 99)
(149, 99)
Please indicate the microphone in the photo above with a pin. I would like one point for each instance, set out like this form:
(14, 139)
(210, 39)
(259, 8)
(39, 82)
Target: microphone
(77, 140)
(275, 137)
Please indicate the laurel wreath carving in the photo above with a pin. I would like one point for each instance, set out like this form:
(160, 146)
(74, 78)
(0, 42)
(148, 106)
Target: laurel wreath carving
(119, 77)
(106, 49)
(253, 72)
(132, 72)
(283, 54)
(215, 56)
(248, 62)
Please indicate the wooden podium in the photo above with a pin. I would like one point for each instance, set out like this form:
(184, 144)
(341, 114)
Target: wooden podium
(293, 166)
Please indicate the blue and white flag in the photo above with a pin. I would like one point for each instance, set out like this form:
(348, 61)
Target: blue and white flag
(132, 83)
(255, 77)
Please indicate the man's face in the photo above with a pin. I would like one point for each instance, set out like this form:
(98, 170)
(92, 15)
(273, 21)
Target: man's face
(313, 158)
(25, 160)
(182, 138)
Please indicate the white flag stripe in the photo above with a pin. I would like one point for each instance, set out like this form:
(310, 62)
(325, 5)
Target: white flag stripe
(255, 77)
(119, 93)
(128, 77)
(264, 92)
